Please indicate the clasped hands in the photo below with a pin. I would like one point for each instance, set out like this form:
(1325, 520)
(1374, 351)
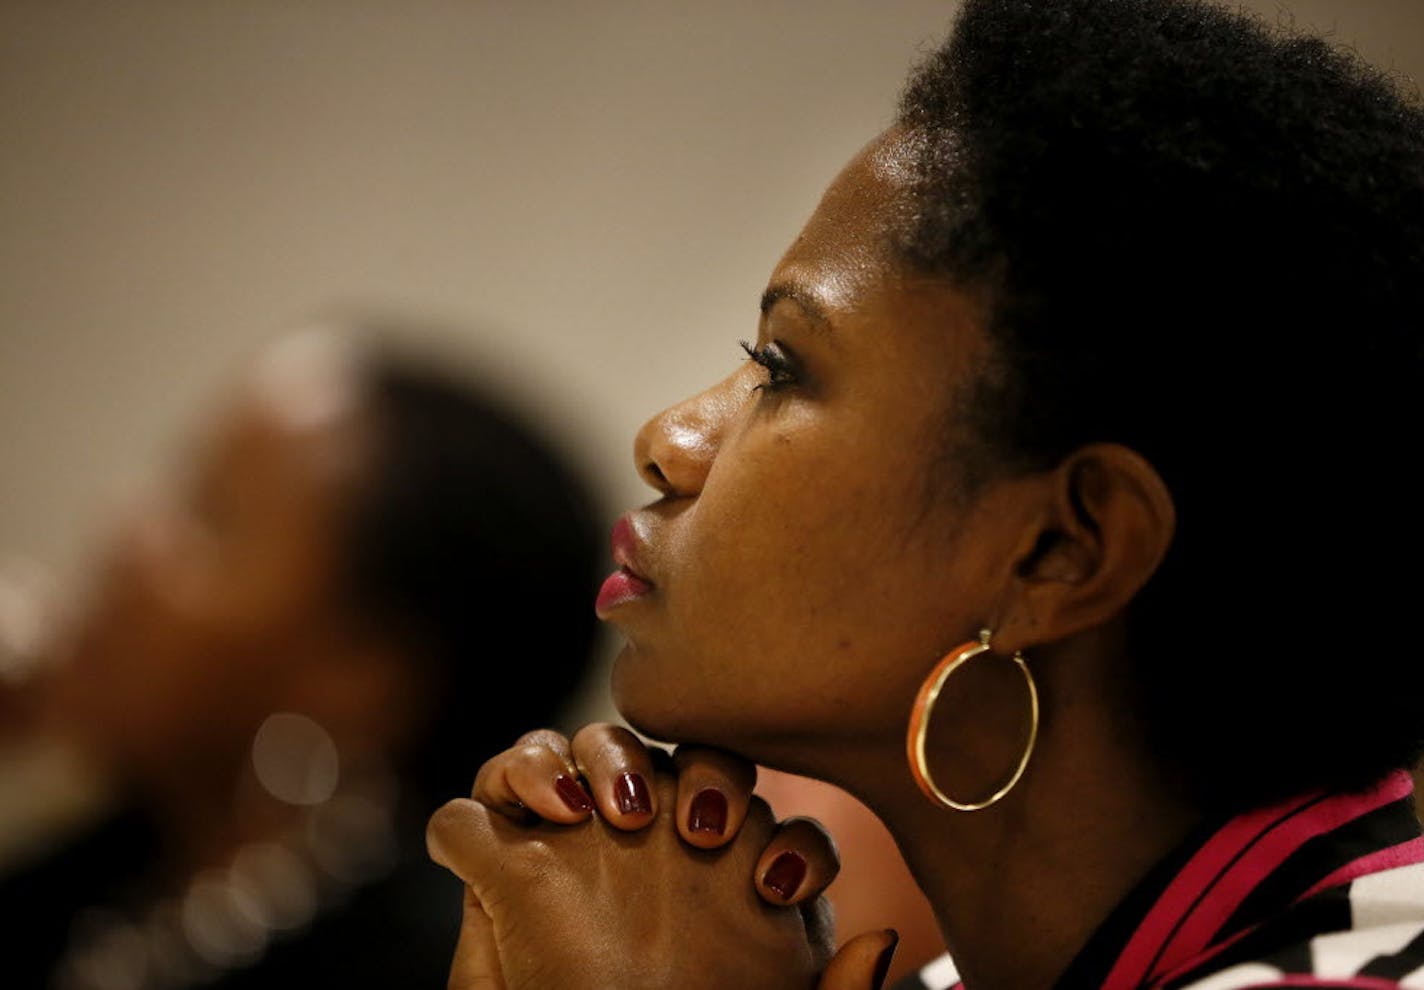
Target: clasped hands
(598, 862)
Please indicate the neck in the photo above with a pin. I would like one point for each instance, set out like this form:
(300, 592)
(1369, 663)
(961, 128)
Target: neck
(1023, 891)
(1019, 888)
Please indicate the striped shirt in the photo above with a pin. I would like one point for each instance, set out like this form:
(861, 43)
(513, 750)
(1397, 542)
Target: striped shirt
(1324, 890)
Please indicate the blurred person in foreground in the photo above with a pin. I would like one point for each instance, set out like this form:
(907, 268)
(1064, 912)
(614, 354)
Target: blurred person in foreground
(275, 671)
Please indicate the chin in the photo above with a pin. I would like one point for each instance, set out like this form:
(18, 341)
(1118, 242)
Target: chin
(641, 696)
(633, 696)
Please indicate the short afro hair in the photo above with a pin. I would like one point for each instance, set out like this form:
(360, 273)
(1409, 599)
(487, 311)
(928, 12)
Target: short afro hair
(1202, 235)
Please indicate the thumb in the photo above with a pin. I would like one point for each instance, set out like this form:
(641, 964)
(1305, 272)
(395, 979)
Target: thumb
(861, 964)
(476, 964)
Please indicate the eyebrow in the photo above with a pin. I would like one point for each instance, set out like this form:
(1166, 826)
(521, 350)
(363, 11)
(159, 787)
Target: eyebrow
(797, 295)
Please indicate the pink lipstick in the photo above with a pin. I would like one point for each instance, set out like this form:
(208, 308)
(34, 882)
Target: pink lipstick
(625, 583)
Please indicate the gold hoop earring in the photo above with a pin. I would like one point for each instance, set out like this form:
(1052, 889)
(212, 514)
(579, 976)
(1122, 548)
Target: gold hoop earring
(924, 706)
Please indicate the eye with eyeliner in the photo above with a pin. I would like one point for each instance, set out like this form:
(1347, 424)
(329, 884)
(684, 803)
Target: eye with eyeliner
(780, 368)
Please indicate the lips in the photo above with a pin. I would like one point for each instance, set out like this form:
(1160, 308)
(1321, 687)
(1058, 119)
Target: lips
(624, 584)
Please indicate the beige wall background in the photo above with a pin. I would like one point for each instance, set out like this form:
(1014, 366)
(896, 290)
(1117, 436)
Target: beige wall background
(592, 193)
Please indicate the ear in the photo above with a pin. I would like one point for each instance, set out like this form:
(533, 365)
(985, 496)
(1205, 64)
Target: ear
(1106, 521)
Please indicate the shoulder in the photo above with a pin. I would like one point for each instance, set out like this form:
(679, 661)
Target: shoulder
(1379, 945)
(1382, 945)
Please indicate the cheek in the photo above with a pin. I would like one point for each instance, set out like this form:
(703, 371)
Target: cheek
(795, 569)
(130, 626)
(802, 515)
(166, 603)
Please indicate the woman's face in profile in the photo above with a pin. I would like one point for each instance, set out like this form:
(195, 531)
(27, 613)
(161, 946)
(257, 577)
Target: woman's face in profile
(810, 559)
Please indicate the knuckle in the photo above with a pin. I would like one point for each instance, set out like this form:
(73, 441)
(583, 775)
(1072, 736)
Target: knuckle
(609, 755)
(592, 734)
(528, 754)
(489, 771)
(545, 738)
(449, 820)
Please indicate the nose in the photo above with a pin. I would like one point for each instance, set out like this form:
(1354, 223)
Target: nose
(676, 448)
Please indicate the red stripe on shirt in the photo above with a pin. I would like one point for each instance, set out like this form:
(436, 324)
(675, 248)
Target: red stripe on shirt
(1186, 887)
(1404, 854)
(1233, 862)
(1265, 856)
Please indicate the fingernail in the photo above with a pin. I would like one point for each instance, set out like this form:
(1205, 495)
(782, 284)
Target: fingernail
(708, 812)
(882, 965)
(572, 793)
(785, 875)
(631, 793)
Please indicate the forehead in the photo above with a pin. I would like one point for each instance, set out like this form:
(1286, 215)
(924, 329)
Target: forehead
(911, 345)
(847, 240)
(305, 381)
(844, 266)
(280, 438)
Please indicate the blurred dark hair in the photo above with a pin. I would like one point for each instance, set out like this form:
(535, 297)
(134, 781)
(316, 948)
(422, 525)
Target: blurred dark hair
(1202, 236)
(477, 539)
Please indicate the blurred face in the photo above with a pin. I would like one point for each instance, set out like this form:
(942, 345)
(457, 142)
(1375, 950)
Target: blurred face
(200, 600)
(812, 554)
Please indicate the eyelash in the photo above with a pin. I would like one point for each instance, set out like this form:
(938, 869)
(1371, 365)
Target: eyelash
(781, 372)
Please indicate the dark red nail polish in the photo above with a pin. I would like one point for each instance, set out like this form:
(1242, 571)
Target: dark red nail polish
(882, 965)
(572, 794)
(708, 812)
(785, 875)
(631, 794)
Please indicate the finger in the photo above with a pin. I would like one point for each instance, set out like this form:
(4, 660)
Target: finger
(819, 918)
(618, 769)
(713, 791)
(535, 777)
(461, 837)
(476, 962)
(798, 863)
(862, 963)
